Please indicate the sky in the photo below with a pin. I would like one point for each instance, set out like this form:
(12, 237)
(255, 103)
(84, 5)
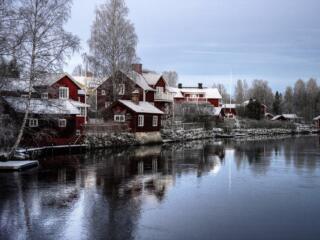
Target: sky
(219, 41)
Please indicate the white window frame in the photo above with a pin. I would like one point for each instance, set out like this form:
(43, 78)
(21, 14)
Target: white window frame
(103, 92)
(155, 120)
(33, 122)
(45, 95)
(63, 93)
(107, 104)
(160, 89)
(78, 132)
(140, 120)
(122, 89)
(119, 118)
(62, 123)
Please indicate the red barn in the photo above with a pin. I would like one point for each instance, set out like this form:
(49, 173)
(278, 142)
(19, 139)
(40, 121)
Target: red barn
(139, 116)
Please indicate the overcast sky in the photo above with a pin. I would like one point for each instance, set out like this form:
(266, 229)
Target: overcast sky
(206, 40)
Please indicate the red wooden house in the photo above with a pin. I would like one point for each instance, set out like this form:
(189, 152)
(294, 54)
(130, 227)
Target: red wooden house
(50, 122)
(64, 87)
(138, 116)
(163, 98)
(127, 83)
(58, 111)
(197, 95)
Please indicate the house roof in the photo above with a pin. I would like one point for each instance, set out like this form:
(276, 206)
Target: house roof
(139, 80)
(51, 79)
(142, 107)
(15, 85)
(176, 91)
(233, 106)
(210, 93)
(286, 116)
(151, 78)
(45, 106)
(317, 118)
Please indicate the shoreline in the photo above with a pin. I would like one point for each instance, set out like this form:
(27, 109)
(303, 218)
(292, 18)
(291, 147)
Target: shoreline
(168, 136)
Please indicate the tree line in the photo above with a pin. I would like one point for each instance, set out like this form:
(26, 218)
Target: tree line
(303, 98)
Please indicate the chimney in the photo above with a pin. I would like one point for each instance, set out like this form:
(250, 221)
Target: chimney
(135, 97)
(180, 85)
(137, 67)
(200, 85)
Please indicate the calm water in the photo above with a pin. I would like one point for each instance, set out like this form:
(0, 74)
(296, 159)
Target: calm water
(199, 190)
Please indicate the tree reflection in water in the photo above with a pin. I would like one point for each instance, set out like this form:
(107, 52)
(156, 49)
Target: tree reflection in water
(100, 195)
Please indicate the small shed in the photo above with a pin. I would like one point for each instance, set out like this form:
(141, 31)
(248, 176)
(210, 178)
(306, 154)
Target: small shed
(230, 110)
(317, 122)
(287, 117)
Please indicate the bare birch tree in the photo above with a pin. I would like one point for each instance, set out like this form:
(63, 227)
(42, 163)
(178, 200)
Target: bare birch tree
(241, 91)
(261, 91)
(171, 77)
(45, 44)
(113, 42)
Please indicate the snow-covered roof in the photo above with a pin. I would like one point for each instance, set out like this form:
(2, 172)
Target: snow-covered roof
(45, 106)
(217, 111)
(142, 107)
(286, 116)
(176, 91)
(229, 106)
(139, 80)
(210, 93)
(52, 78)
(151, 78)
(15, 85)
(317, 118)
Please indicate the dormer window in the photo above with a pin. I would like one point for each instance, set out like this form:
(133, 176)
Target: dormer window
(63, 93)
(44, 95)
(122, 89)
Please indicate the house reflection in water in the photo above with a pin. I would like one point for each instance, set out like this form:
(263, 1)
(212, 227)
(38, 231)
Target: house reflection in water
(97, 195)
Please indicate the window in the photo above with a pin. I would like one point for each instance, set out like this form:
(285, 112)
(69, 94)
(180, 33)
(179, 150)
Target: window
(63, 93)
(82, 111)
(62, 123)
(119, 118)
(122, 89)
(44, 95)
(155, 121)
(25, 96)
(103, 92)
(107, 104)
(140, 120)
(78, 132)
(33, 122)
(159, 89)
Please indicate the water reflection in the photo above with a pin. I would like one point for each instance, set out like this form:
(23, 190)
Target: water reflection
(105, 195)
